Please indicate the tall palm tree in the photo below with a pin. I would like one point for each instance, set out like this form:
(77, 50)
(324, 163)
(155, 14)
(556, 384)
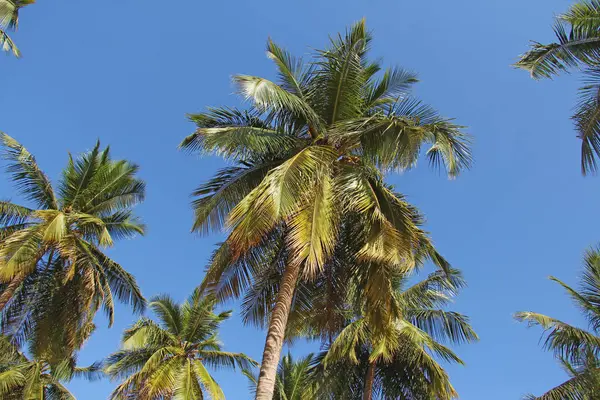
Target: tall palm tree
(577, 349)
(54, 276)
(22, 378)
(578, 45)
(169, 359)
(9, 19)
(370, 354)
(311, 153)
(295, 379)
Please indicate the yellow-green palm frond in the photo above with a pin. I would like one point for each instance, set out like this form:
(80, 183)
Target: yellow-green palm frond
(26, 174)
(278, 196)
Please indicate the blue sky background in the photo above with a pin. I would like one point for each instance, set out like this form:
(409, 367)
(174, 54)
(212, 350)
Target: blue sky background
(127, 72)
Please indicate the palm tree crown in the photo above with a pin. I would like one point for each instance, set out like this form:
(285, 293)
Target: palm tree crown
(365, 361)
(578, 350)
(311, 152)
(54, 276)
(578, 45)
(169, 359)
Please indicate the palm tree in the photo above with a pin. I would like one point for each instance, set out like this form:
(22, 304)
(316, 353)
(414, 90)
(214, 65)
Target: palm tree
(169, 359)
(295, 379)
(311, 154)
(9, 19)
(370, 354)
(54, 276)
(22, 378)
(578, 45)
(577, 349)
(399, 361)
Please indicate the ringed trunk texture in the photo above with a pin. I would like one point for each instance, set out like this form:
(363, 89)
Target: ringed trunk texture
(369, 379)
(276, 333)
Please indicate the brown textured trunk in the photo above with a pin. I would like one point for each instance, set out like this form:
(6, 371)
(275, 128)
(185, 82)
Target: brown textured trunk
(369, 379)
(276, 333)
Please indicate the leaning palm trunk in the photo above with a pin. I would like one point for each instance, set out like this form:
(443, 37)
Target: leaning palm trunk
(276, 333)
(369, 379)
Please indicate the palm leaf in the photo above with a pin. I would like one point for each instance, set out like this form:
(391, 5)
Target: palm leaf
(26, 174)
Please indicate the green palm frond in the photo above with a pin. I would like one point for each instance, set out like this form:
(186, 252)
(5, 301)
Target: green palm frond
(270, 97)
(313, 229)
(341, 75)
(278, 196)
(238, 135)
(9, 19)
(26, 174)
(221, 194)
(293, 73)
(7, 44)
(578, 45)
(443, 325)
(565, 340)
(168, 312)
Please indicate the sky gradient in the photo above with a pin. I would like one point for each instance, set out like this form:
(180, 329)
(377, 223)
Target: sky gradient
(127, 72)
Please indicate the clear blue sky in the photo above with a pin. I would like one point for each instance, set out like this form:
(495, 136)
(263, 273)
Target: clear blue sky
(127, 72)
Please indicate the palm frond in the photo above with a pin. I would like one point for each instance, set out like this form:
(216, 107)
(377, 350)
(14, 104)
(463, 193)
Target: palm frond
(208, 382)
(313, 229)
(565, 340)
(340, 75)
(7, 44)
(443, 326)
(216, 198)
(278, 196)
(270, 97)
(26, 174)
(168, 312)
(579, 45)
(293, 75)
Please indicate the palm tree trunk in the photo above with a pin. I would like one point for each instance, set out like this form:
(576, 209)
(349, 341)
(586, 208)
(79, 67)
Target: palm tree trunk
(369, 379)
(276, 333)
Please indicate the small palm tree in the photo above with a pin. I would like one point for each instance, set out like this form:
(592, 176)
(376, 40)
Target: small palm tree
(311, 152)
(22, 378)
(295, 379)
(54, 276)
(578, 350)
(9, 19)
(169, 360)
(578, 45)
(399, 361)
